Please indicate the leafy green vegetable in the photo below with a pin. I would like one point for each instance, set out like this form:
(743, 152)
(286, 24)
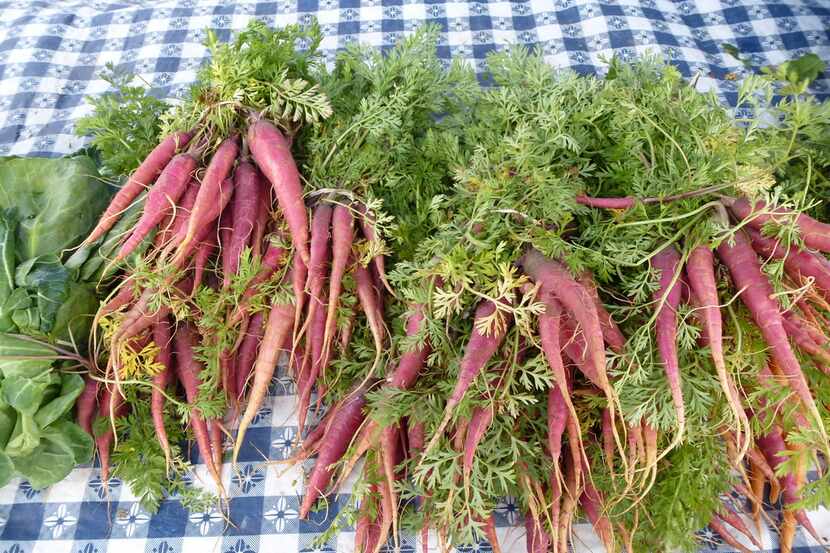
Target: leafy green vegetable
(57, 202)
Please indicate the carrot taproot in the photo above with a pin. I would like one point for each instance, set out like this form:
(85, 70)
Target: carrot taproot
(607, 432)
(575, 349)
(320, 255)
(111, 406)
(626, 202)
(161, 198)
(272, 155)
(310, 370)
(188, 371)
(815, 234)
(369, 303)
(146, 173)
(536, 539)
(757, 295)
(207, 208)
(560, 406)
(123, 297)
(342, 237)
(411, 362)
(489, 531)
(557, 280)
(341, 432)
(480, 421)
(277, 329)
(700, 273)
(717, 525)
(204, 251)
(367, 227)
(299, 275)
(802, 339)
(244, 209)
(179, 216)
(479, 349)
(247, 353)
(272, 259)
(87, 404)
(798, 264)
(730, 517)
(611, 333)
(263, 216)
(667, 298)
(591, 501)
(162, 337)
(786, 532)
(215, 430)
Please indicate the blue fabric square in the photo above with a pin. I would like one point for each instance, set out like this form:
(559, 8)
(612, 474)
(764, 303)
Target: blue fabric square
(568, 16)
(621, 39)
(794, 41)
(246, 516)
(319, 520)
(170, 521)
(94, 520)
(257, 443)
(25, 520)
(736, 14)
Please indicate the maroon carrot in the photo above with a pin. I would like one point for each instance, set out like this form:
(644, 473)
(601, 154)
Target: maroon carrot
(111, 406)
(367, 226)
(626, 202)
(341, 432)
(245, 207)
(272, 154)
(611, 333)
(188, 370)
(816, 234)
(263, 216)
(667, 298)
(412, 361)
(204, 251)
(591, 502)
(369, 302)
(273, 258)
(342, 237)
(536, 539)
(309, 374)
(480, 421)
(277, 329)
(207, 207)
(700, 272)
(169, 187)
(480, 348)
(557, 280)
(799, 264)
(757, 295)
(142, 178)
(729, 516)
(316, 279)
(163, 337)
(87, 404)
(179, 216)
(247, 353)
(717, 525)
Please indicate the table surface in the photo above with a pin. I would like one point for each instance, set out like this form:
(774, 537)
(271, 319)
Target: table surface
(51, 57)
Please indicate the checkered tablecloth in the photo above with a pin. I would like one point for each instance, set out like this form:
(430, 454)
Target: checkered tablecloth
(51, 54)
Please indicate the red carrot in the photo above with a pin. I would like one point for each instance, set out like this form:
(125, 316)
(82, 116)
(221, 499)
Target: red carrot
(480, 421)
(308, 375)
(489, 532)
(591, 502)
(729, 516)
(816, 235)
(188, 370)
(575, 349)
(480, 348)
(111, 406)
(411, 362)
(272, 259)
(214, 182)
(263, 216)
(667, 298)
(341, 432)
(342, 237)
(277, 329)
(367, 226)
(716, 525)
(611, 333)
(204, 251)
(179, 216)
(142, 178)
(700, 271)
(215, 429)
(757, 295)
(799, 264)
(169, 187)
(802, 339)
(162, 336)
(369, 302)
(247, 353)
(87, 404)
(272, 154)
(607, 430)
(316, 278)
(536, 539)
(626, 202)
(557, 280)
(245, 208)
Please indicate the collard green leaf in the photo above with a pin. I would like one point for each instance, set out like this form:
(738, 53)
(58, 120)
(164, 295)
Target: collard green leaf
(8, 226)
(23, 358)
(71, 387)
(46, 464)
(26, 394)
(48, 280)
(8, 418)
(6, 469)
(25, 437)
(93, 267)
(74, 316)
(57, 200)
(72, 438)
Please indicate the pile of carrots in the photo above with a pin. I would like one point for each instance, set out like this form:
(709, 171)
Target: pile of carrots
(510, 323)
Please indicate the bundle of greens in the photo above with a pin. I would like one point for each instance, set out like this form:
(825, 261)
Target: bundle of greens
(46, 207)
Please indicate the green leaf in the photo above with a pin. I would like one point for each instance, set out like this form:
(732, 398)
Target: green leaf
(72, 438)
(804, 69)
(49, 280)
(23, 358)
(49, 462)
(57, 201)
(25, 394)
(6, 469)
(8, 226)
(25, 436)
(8, 419)
(71, 387)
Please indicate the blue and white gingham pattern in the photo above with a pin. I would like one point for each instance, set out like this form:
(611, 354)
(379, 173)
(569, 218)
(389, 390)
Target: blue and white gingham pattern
(51, 56)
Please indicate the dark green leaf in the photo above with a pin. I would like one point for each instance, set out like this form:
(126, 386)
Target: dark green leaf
(72, 438)
(25, 436)
(47, 463)
(25, 394)
(71, 387)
